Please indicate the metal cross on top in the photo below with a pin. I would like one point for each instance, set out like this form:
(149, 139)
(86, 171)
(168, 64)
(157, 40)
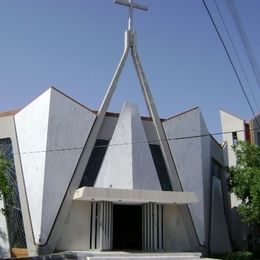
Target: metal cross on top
(131, 6)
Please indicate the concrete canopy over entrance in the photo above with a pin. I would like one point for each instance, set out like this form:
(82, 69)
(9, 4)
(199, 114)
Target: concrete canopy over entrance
(132, 219)
(134, 196)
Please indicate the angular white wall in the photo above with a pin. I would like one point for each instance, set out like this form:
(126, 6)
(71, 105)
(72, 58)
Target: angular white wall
(175, 237)
(75, 234)
(51, 132)
(229, 124)
(128, 163)
(190, 163)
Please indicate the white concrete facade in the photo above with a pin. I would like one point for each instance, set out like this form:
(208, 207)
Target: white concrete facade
(188, 157)
(51, 132)
(75, 234)
(232, 124)
(176, 237)
(128, 162)
(134, 196)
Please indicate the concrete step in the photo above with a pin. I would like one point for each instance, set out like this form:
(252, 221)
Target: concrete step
(116, 255)
(159, 257)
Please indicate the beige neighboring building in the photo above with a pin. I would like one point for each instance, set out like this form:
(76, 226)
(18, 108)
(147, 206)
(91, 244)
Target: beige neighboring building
(235, 128)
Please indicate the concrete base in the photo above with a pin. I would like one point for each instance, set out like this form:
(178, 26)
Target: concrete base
(116, 255)
(131, 255)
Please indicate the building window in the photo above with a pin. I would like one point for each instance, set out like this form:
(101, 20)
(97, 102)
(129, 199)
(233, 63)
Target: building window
(94, 163)
(247, 132)
(234, 138)
(14, 218)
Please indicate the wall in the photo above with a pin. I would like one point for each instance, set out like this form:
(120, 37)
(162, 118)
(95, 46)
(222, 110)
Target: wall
(175, 235)
(231, 123)
(128, 162)
(107, 127)
(191, 156)
(51, 132)
(76, 231)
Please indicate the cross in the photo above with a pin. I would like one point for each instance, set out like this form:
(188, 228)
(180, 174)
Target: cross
(131, 6)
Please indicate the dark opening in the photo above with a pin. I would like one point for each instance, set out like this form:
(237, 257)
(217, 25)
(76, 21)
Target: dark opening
(160, 167)
(94, 163)
(127, 227)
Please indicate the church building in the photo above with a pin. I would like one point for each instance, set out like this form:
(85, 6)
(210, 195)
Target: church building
(96, 180)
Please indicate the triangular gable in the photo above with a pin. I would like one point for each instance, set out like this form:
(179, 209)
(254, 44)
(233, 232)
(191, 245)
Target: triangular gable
(128, 162)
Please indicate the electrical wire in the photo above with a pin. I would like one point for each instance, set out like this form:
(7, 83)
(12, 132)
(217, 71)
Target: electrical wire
(139, 142)
(245, 41)
(230, 60)
(236, 52)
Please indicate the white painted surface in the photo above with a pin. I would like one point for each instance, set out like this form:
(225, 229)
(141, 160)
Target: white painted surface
(32, 128)
(60, 126)
(134, 196)
(128, 162)
(209, 150)
(175, 237)
(229, 124)
(126, 255)
(68, 129)
(76, 232)
(188, 156)
(220, 242)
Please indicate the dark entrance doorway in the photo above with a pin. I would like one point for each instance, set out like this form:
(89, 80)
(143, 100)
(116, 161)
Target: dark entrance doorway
(127, 227)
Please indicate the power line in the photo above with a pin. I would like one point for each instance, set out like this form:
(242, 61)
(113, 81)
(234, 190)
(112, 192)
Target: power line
(139, 142)
(245, 41)
(236, 52)
(230, 60)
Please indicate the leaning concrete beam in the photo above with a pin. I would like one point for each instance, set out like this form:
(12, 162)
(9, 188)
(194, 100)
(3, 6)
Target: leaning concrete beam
(84, 158)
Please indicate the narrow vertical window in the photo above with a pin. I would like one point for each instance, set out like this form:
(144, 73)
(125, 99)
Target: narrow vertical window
(234, 138)
(247, 132)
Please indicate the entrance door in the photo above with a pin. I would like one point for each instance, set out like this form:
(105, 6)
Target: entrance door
(127, 227)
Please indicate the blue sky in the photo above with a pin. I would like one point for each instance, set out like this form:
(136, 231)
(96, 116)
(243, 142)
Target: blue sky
(75, 45)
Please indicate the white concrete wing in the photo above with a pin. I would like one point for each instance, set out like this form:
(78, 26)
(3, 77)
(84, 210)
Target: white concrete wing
(51, 132)
(192, 158)
(128, 163)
